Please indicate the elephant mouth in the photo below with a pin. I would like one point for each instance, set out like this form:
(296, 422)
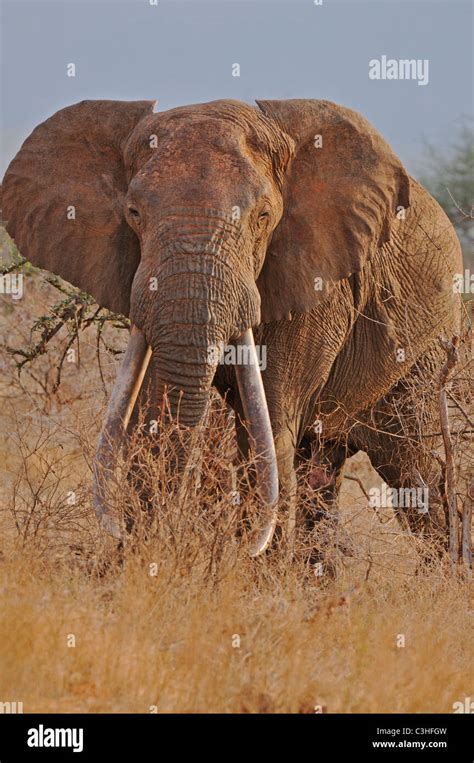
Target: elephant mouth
(124, 395)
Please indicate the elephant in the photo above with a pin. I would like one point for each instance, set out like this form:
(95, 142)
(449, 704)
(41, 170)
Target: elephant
(289, 225)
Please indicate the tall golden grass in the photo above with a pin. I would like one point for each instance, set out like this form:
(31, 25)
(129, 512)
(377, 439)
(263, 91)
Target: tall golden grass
(182, 620)
(255, 640)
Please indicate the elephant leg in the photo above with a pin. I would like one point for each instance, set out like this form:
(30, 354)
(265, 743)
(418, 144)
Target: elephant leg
(401, 437)
(285, 446)
(417, 500)
(321, 466)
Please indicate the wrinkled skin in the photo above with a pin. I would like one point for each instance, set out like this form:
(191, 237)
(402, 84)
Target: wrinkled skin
(331, 253)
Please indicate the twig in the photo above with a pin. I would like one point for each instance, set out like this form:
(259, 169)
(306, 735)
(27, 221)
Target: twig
(466, 528)
(359, 482)
(459, 407)
(450, 347)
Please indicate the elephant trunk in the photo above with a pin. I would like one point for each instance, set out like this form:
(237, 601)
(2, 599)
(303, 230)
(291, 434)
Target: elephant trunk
(186, 363)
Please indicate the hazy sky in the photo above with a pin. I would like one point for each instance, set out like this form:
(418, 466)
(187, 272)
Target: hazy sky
(182, 52)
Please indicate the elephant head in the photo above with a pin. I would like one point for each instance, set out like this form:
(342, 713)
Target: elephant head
(200, 223)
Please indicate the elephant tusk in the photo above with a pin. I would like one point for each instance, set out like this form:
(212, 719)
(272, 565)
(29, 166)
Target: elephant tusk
(124, 395)
(259, 426)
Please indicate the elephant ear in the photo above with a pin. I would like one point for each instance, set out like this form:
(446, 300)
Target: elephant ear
(63, 197)
(340, 195)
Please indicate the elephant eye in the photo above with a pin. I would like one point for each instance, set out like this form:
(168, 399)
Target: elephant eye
(263, 216)
(133, 212)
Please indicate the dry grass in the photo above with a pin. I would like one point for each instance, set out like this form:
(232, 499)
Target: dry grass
(170, 641)
(185, 622)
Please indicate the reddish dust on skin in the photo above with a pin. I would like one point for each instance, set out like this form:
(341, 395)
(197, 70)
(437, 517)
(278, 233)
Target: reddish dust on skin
(320, 477)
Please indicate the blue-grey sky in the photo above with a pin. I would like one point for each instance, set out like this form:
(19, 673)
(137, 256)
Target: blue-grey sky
(182, 52)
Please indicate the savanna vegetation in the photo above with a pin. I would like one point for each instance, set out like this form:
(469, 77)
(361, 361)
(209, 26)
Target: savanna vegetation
(181, 620)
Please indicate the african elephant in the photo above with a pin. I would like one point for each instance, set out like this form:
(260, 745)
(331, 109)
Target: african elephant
(292, 224)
